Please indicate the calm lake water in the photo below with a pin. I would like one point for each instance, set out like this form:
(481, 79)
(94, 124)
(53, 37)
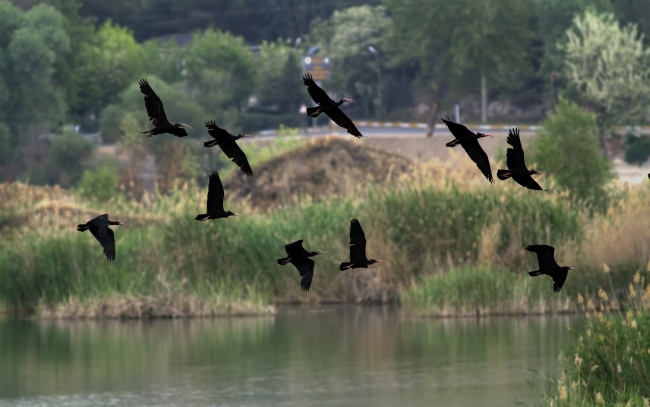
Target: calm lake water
(334, 356)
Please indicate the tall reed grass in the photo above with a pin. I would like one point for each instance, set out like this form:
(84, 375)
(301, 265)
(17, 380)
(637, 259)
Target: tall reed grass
(608, 363)
(435, 221)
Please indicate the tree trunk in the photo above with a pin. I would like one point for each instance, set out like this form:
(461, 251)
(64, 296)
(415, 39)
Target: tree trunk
(483, 99)
(434, 110)
(433, 118)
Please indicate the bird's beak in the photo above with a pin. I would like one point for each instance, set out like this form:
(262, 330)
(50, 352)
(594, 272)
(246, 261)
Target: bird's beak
(322, 252)
(349, 100)
(489, 135)
(234, 214)
(541, 172)
(122, 224)
(247, 135)
(187, 125)
(571, 268)
(379, 261)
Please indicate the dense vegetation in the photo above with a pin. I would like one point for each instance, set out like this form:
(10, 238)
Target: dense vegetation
(85, 57)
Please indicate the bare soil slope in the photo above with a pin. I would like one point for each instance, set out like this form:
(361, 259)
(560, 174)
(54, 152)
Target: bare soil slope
(326, 167)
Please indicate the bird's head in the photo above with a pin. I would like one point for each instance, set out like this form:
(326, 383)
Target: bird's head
(373, 261)
(116, 223)
(345, 100)
(240, 135)
(480, 135)
(181, 124)
(230, 213)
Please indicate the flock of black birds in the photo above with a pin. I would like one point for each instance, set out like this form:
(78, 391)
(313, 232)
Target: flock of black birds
(296, 253)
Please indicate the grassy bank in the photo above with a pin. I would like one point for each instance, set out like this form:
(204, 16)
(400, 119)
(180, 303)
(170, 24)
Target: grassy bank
(608, 362)
(478, 291)
(451, 247)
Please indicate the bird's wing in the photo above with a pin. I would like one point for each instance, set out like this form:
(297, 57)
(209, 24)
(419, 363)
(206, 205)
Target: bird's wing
(154, 105)
(515, 155)
(215, 194)
(478, 155)
(306, 269)
(344, 121)
(461, 132)
(101, 224)
(217, 132)
(558, 280)
(235, 153)
(527, 181)
(295, 249)
(545, 255)
(109, 247)
(317, 94)
(357, 241)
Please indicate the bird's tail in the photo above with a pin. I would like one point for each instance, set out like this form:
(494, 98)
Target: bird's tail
(211, 143)
(313, 111)
(202, 217)
(345, 265)
(284, 261)
(453, 143)
(534, 273)
(82, 228)
(503, 174)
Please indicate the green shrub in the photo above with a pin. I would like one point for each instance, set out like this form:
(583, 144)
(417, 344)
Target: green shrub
(637, 149)
(568, 149)
(100, 184)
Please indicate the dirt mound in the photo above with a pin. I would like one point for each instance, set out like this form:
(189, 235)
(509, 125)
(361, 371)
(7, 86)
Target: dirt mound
(324, 168)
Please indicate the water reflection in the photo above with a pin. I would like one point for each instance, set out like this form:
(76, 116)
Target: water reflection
(336, 356)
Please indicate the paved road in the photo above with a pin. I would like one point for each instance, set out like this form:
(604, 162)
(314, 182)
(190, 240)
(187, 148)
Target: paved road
(369, 131)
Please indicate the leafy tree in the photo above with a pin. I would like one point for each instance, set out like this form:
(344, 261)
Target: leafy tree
(277, 77)
(178, 106)
(30, 43)
(256, 20)
(99, 184)
(567, 147)
(108, 64)
(346, 37)
(220, 72)
(68, 151)
(445, 41)
(610, 67)
(636, 12)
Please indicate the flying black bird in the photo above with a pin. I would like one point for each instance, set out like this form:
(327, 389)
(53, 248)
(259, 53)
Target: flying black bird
(228, 144)
(156, 113)
(215, 200)
(99, 228)
(516, 165)
(328, 106)
(300, 258)
(357, 248)
(548, 265)
(469, 141)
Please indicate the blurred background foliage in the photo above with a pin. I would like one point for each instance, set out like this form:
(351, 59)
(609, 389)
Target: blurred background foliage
(73, 66)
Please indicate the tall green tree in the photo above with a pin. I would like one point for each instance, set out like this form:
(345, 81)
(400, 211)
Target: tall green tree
(346, 38)
(610, 67)
(30, 44)
(446, 41)
(108, 64)
(220, 73)
(567, 147)
(277, 76)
